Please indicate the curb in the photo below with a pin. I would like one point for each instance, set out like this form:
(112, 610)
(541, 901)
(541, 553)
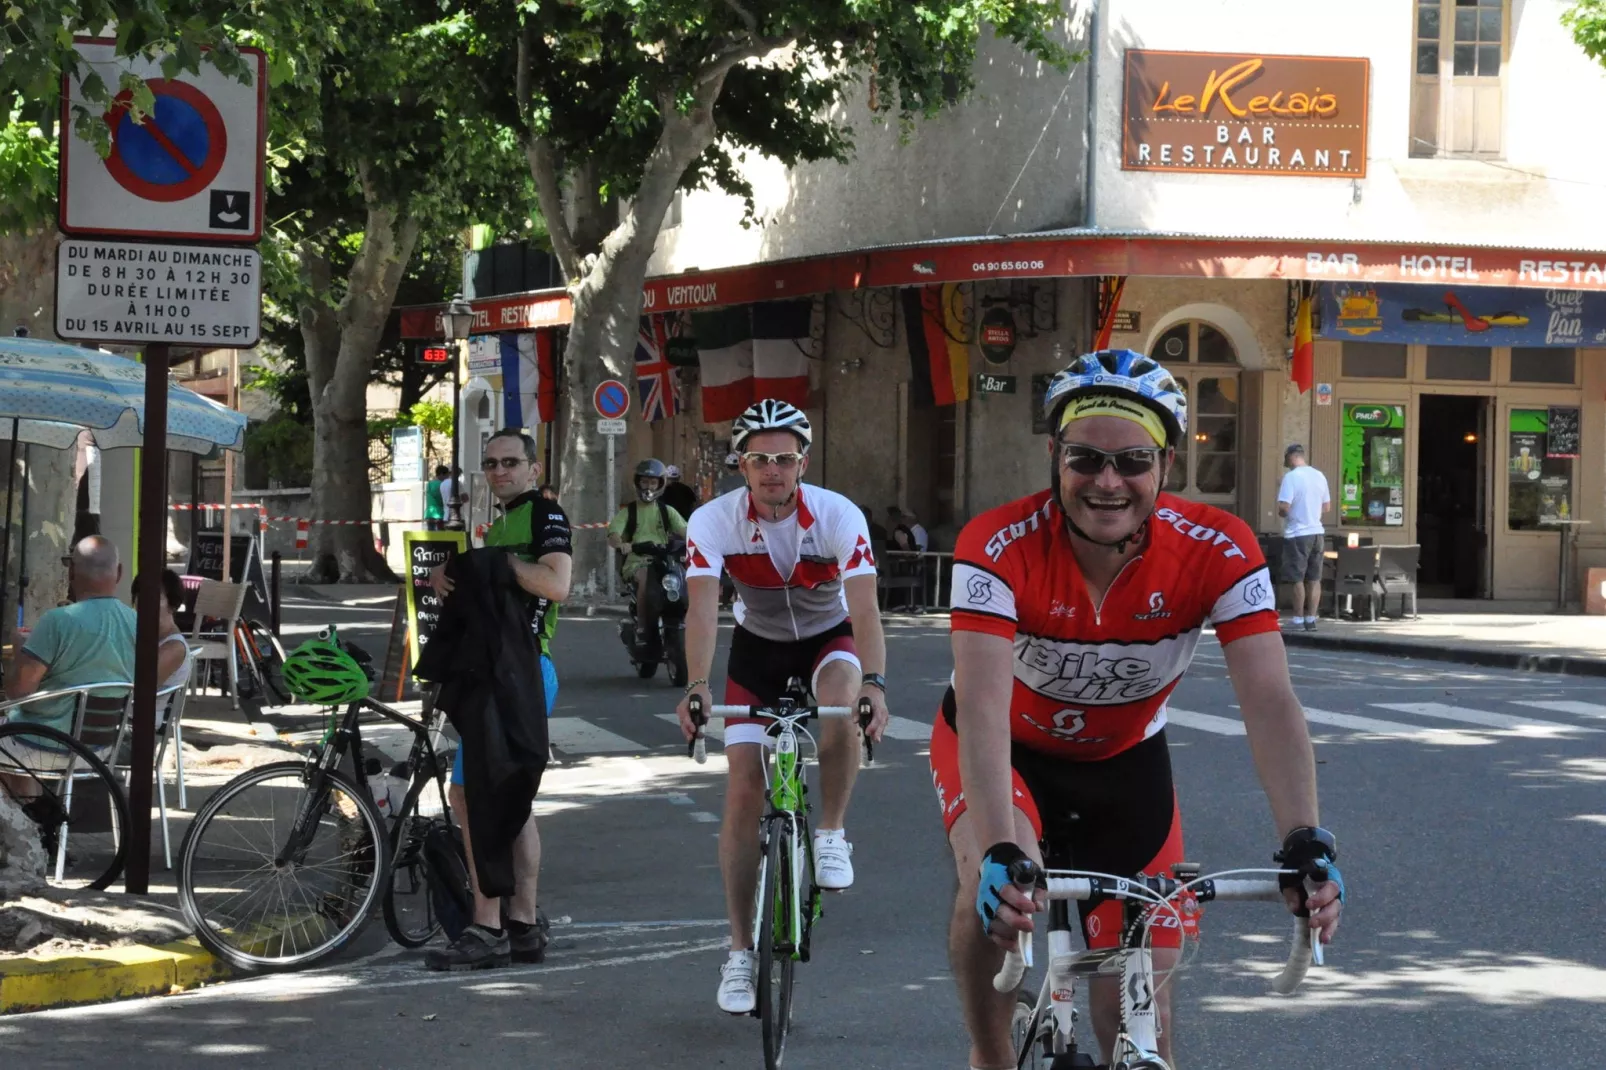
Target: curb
(80, 977)
(1489, 659)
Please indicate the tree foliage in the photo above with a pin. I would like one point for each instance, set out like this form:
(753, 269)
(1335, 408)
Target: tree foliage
(1587, 21)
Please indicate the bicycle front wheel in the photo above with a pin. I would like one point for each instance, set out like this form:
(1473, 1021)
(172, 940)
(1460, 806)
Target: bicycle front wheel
(777, 941)
(274, 874)
(73, 799)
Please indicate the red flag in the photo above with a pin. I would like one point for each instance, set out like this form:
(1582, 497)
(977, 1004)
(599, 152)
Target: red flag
(1303, 370)
(1113, 293)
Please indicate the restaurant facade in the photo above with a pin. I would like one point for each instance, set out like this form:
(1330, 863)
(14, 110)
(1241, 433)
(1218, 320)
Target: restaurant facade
(1408, 181)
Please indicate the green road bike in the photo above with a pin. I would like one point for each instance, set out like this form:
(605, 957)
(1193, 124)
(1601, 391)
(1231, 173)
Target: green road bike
(788, 902)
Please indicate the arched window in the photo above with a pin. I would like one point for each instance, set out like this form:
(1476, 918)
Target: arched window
(1205, 363)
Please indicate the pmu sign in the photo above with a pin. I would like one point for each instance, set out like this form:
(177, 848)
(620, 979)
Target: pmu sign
(192, 168)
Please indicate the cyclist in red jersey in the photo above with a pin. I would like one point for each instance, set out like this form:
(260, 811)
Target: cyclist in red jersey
(1076, 611)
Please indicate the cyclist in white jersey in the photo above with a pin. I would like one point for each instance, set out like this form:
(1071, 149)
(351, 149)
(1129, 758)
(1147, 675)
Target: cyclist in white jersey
(804, 572)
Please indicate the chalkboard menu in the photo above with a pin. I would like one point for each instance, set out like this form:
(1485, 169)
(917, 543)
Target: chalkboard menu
(245, 564)
(424, 550)
(1563, 433)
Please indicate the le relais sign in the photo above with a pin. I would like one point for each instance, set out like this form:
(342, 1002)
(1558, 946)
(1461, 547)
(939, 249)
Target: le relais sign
(1224, 113)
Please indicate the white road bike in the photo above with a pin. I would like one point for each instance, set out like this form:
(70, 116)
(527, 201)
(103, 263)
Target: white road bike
(1044, 1029)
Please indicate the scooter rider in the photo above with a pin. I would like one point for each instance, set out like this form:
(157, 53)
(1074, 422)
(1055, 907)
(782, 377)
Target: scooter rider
(647, 521)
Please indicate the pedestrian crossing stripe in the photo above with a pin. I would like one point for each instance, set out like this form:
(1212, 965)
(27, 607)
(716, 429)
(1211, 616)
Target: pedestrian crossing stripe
(1392, 729)
(575, 735)
(1525, 725)
(1208, 722)
(714, 729)
(1581, 709)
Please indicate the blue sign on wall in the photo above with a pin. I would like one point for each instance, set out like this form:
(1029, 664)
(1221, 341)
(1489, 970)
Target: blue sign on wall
(1462, 315)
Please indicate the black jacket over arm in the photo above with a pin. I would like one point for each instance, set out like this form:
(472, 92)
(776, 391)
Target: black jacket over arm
(487, 660)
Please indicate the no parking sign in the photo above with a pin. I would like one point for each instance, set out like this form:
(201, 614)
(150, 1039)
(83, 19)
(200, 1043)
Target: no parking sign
(193, 168)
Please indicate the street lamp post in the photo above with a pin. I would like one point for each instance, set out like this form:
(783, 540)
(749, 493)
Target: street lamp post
(456, 324)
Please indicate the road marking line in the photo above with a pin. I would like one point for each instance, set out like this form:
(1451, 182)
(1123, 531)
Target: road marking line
(1582, 709)
(1206, 722)
(575, 735)
(1392, 729)
(704, 817)
(1524, 725)
(907, 728)
(714, 729)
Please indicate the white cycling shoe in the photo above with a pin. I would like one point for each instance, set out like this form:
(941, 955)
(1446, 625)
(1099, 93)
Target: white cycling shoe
(738, 983)
(833, 861)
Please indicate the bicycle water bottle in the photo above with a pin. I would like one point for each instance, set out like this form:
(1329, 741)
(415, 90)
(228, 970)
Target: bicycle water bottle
(785, 773)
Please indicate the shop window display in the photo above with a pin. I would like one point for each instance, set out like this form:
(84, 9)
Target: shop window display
(1372, 467)
(1543, 443)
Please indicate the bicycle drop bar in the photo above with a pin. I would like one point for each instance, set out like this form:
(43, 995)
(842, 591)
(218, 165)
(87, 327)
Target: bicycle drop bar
(697, 747)
(1305, 950)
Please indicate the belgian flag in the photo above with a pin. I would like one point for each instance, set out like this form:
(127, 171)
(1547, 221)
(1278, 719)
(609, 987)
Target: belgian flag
(940, 365)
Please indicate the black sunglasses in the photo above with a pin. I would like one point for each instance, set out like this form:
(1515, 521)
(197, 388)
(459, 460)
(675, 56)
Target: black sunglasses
(1091, 461)
(489, 463)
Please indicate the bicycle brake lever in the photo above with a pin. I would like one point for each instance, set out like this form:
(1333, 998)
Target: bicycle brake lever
(866, 713)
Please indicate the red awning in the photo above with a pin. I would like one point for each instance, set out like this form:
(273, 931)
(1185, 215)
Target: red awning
(1062, 254)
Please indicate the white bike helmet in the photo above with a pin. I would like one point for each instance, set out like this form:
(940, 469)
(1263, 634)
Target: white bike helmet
(771, 415)
(673, 471)
(1124, 373)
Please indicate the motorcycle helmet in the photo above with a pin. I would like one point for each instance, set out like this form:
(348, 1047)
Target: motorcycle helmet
(771, 415)
(650, 479)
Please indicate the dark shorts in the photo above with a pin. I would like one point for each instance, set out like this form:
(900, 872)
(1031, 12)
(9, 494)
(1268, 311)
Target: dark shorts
(1302, 559)
(1116, 816)
(759, 669)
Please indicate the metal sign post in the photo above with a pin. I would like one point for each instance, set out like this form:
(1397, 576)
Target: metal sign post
(613, 496)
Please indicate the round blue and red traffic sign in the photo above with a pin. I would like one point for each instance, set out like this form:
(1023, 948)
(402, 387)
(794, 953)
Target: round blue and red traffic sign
(176, 152)
(611, 399)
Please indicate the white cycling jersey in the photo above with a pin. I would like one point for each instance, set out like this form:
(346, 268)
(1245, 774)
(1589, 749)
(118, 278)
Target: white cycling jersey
(788, 574)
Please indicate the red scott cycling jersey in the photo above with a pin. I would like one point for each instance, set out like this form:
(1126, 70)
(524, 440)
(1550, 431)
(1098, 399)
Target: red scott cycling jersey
(1092, 680)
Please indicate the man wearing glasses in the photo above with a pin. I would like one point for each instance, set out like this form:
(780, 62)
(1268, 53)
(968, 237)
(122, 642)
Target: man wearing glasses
(805, 578)
(536, 533)
(1076, 611)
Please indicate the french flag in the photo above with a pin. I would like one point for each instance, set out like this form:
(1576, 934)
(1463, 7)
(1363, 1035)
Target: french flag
(529, 379)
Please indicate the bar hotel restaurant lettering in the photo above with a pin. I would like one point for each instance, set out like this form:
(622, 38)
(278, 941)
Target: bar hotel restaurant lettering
(1415, 183)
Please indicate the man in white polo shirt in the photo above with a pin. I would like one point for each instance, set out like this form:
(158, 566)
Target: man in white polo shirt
(1302, 500)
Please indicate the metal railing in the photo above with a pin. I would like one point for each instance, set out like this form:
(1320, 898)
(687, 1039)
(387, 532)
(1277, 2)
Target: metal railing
(911, 581)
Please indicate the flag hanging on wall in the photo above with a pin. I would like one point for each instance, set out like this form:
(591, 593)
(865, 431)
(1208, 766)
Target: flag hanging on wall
(939, 364)
(780, 350)
(1303, 368)
(655, 377)
(529, 379)
(725, 361)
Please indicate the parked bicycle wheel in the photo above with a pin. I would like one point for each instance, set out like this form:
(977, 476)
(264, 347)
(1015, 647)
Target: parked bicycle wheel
(409, 906)
(268, 653)
(274, 875)
(72, 797)
(777, 895)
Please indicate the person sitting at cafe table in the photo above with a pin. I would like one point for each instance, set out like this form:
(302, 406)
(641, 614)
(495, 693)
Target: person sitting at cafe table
(89, 641)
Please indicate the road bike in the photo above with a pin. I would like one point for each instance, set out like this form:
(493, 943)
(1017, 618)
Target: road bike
(1044, 1028)
(285, 864)
(262, 659)
(783, 912)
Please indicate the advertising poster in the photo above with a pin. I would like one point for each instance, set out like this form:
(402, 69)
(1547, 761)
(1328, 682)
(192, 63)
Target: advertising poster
(1372, 466)
(1462, 315)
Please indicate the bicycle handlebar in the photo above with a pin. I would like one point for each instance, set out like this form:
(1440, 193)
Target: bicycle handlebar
(1305, 950)
(697, 747)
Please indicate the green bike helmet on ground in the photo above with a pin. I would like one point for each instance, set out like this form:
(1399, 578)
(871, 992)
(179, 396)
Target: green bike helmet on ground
(321, 673)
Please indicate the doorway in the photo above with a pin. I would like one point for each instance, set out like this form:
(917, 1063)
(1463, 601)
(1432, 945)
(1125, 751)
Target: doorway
(1452, 495)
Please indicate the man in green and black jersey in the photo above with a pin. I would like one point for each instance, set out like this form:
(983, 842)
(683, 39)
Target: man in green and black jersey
(536, 533)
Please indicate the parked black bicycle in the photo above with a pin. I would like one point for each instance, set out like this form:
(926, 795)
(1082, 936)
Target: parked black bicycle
(285, 864)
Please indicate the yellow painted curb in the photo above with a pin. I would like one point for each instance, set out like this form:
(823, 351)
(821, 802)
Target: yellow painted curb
(30, 984)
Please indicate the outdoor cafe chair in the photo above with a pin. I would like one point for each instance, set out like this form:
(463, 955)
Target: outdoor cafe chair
(1355, 575)
(223, 603)
(100, 723)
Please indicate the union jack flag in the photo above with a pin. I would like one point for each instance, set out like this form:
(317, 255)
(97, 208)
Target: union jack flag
(655, 376)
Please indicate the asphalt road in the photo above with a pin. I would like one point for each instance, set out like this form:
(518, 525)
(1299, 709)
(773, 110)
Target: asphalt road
(1467, 805)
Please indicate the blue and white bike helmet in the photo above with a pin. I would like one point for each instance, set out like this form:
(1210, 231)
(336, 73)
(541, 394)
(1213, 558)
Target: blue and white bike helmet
(1123, 373)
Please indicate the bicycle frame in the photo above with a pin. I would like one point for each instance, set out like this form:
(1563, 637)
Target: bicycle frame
(788, 803)
(1137, 1042)
(346, 738)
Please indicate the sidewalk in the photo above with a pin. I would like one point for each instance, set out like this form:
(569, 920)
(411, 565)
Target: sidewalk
(1533, 642)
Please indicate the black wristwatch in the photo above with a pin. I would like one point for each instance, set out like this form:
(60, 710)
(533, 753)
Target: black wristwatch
(1308, 842)
(876, 680)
